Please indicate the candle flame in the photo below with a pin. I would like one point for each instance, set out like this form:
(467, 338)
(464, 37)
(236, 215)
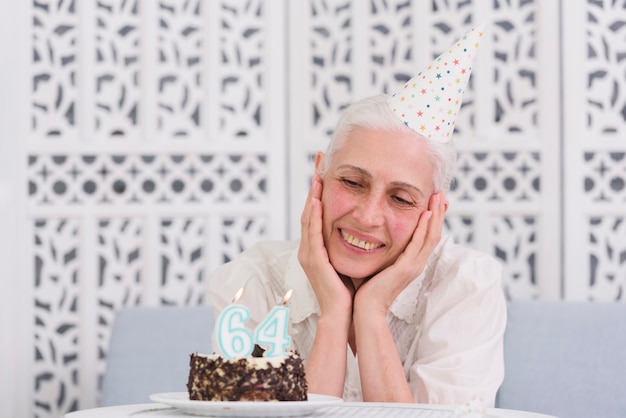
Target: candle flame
(287, 296)
(238, 295)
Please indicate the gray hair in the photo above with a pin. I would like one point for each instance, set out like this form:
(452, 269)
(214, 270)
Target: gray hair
(374, 113)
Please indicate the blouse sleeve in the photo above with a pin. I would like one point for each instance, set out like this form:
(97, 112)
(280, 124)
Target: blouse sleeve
(460, 348)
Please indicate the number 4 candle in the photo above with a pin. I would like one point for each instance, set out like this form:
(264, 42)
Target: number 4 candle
(273, 330)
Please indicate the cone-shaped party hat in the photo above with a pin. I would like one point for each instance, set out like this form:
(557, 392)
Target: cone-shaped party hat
(430, 101)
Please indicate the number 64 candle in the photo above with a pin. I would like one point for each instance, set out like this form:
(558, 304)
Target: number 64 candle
(236, 341)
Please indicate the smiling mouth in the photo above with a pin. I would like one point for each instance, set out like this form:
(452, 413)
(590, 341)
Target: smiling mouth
(354, 241)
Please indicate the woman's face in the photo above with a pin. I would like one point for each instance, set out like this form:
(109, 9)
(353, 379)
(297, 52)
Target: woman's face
(374, 191)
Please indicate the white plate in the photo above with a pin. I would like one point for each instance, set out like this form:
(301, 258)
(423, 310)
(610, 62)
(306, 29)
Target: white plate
(180, 401)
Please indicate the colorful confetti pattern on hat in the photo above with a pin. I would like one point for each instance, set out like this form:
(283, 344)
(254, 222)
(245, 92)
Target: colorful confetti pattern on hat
(430, 101)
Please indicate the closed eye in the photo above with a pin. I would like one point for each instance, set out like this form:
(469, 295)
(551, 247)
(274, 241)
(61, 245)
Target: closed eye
(350, 183)
(402, 201)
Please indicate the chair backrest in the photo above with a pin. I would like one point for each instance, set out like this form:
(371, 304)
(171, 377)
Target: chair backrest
(149, 351)
(566, 359)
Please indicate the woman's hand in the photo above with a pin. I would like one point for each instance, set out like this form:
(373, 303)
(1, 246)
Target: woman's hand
(380, 291)
(380, 366)
(326, 364)
(334, 294)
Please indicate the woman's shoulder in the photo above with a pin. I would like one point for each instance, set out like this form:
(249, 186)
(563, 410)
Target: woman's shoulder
(260, 269)
(460, 263)
(266, 251)
(275, 248)
(259, 260)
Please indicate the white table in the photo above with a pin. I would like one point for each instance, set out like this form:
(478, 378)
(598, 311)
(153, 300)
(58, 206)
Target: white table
(356, 409)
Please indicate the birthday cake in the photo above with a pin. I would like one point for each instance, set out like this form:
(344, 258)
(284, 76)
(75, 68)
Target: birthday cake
(256, 378)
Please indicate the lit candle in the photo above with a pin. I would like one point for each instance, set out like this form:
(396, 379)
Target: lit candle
(272, 331)
(232, 336)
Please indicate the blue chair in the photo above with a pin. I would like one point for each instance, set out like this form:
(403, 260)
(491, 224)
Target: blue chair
(149, 351)
(566, 359)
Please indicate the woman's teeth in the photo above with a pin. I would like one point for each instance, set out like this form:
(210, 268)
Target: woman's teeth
(359, 243)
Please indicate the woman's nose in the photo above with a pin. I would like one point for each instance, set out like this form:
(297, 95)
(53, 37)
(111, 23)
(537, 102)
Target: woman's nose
(370, 211)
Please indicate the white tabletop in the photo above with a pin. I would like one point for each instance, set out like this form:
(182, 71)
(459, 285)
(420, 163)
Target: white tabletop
(355, 409)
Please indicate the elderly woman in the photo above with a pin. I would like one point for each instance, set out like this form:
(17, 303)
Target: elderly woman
(383, 308)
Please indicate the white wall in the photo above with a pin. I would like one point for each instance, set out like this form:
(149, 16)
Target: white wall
(14, 356)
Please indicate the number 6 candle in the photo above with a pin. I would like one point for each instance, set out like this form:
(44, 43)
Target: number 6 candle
(232, 336)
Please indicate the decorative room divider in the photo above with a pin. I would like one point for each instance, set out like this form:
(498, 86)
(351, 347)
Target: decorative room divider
(152, 141)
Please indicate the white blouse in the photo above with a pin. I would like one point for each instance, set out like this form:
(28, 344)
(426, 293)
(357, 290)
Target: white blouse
(448, 324)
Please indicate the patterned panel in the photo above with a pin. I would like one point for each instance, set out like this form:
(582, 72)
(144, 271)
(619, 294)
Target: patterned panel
(138, 179)
(117, 84)
(240, 234)
(514, 33)
(309, 164)
(331, 50)
(460, 228)
(515, 245)
(242, 70)
(507, 177)
(607, 258)
(54, 67)
(605, 67)
(452, 19)
(182, 261)
(120, 262)
(391, 33)
(179, 70)
(605, 177)
(56, 306)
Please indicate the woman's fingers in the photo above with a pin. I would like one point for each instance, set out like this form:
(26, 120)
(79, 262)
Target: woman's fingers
(331, 292)
(311, 220)
(413, 259)
(314, 194)
(437, 207)
(428, 231)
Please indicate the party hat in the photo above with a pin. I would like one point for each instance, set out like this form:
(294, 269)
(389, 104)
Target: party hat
(430, 101)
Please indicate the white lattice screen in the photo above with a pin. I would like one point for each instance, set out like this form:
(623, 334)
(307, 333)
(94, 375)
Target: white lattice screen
(594, 163)
(143, 143)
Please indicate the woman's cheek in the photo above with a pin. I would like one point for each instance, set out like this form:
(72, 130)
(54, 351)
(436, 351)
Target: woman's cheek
(335, 199)
(403, 230)
(333, 203)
